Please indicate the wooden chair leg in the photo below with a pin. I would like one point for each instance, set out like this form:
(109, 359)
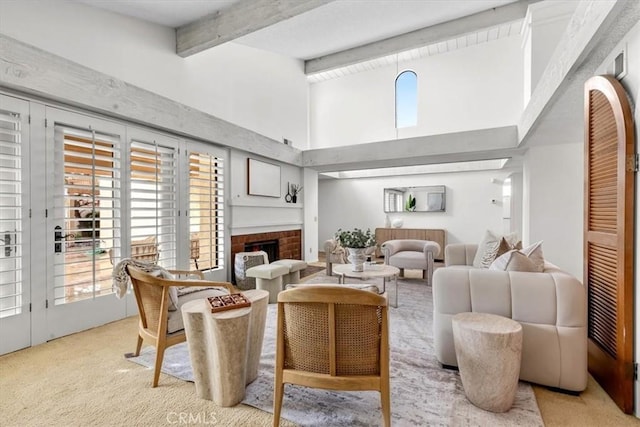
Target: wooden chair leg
(158, 366)
(277, 401)
(385, 400)
(138, 346)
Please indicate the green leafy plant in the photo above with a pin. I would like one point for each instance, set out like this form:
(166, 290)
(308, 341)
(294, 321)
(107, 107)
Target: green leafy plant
(355, 238)
(410, 204)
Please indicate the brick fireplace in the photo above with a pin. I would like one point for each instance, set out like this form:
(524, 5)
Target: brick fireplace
(289, 243)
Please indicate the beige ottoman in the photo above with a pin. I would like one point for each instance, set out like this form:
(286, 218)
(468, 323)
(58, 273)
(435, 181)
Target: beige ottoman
(294, 266)
(488, 349)
(269, 278)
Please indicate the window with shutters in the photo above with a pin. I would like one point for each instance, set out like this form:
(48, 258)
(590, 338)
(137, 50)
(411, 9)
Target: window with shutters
(154, 204)
(11, 194)
(206, 216)
(89, 207)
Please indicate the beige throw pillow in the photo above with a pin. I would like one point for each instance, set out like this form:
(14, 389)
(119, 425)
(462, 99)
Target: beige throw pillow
(488, 248)
(529, 259)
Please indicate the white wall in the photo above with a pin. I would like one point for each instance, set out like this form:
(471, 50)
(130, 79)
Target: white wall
(349, 203)
(258, 90)
(472, 88)
(310, 235)
(250, 214)
(544, 25)
(554, 174)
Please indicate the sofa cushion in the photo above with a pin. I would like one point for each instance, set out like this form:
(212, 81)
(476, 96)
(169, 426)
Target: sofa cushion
(513, 261)
(488, 248)
(506, 246)
(534, 253)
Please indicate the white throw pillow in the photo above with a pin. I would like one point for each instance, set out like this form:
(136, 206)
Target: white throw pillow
(488, 248)
(534, 253)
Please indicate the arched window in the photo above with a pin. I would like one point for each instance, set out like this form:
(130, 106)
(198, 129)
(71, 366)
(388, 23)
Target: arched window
(406, 99)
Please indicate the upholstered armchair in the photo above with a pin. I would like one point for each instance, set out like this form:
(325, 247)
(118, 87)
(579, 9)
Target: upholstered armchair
(336, 254)
(159, 301)
(411, 254)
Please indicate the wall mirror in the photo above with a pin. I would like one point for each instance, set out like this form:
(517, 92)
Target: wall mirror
(415, 199)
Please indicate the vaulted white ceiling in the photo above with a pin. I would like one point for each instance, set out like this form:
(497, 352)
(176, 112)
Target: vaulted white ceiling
(332, 26)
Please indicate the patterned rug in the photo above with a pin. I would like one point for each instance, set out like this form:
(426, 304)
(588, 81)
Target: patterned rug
(422, 393)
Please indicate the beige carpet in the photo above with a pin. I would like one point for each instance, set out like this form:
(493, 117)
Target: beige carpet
(84, 380)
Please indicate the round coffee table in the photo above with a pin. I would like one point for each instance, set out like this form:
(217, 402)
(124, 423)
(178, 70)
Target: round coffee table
(370, 272)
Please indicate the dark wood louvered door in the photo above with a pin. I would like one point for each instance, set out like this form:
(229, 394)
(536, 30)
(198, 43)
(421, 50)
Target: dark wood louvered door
(608, 236)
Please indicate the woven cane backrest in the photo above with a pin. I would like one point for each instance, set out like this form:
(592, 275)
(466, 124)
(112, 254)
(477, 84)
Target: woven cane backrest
(149, 296)
(309, 327)
(357, 336)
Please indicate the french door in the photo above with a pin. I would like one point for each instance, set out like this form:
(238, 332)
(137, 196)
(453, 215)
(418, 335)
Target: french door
(15, 296)
(77, 195)
(84, 205)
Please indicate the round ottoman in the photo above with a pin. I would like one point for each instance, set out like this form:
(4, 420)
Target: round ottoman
(488, 349)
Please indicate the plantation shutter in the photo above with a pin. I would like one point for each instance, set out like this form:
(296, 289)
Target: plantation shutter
(154, 205)
(608, 236)
(11, 204)
(206, 210)
(89, 208)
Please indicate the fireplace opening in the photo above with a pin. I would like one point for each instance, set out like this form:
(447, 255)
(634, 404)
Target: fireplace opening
(269, 246)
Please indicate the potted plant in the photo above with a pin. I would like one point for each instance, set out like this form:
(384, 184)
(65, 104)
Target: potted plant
(356, 242)
(410, 204)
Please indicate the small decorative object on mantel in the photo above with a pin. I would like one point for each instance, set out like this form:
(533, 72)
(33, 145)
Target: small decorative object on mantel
(358, 243)
(228, 302)
(293, 191)
(397, 223)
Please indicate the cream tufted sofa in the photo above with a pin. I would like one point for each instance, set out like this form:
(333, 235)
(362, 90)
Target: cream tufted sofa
(551, 307)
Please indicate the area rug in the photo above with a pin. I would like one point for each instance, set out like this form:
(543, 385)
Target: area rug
(422, 392)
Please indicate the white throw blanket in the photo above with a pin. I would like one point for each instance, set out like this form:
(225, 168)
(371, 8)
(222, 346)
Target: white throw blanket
(121, 279)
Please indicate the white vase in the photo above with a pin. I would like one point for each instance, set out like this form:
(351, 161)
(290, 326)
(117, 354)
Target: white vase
(357, 256)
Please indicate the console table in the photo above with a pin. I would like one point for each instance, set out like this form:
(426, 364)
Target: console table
(438, 236)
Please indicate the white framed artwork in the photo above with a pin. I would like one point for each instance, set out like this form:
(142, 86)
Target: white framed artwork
(263, 178)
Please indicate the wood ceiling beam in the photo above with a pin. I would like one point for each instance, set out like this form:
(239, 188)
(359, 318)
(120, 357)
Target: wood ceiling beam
(236, 21)
(419, 38)
(480, 144)
(27, 69)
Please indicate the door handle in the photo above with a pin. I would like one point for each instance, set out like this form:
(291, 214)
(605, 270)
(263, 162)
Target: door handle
(7, 244)
(59, 237)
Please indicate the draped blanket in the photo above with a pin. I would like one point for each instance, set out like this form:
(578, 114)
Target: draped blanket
(121, 279)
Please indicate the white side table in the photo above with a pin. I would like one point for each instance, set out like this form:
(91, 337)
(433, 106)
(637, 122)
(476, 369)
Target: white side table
(488, 349)
(225, 347)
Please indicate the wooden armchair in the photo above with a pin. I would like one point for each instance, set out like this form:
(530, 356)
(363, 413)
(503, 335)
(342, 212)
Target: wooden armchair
(154, 303)
(335, 338)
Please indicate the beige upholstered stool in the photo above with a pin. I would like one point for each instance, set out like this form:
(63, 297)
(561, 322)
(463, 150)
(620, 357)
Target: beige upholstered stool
(488, 350)
(269, 278)
(294, 265)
